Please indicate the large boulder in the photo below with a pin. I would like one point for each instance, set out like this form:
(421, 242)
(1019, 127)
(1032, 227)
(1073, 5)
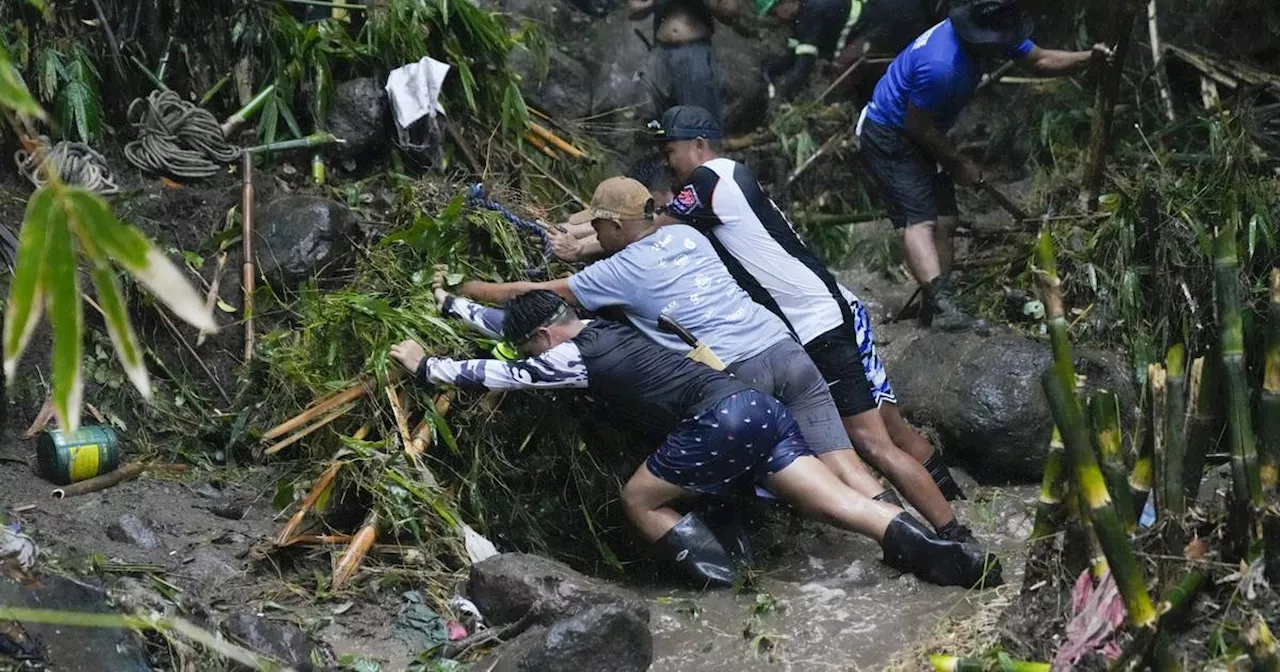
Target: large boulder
(301, 237)
(605, 638)
(508, 586)
(358, 114)
(58, 647)
(983, 397)
(284, 642)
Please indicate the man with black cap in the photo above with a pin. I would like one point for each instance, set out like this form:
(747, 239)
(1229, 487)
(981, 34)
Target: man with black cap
(681, 69)
(843, 32)
(903, 132)
(715, 434)
(723, 199)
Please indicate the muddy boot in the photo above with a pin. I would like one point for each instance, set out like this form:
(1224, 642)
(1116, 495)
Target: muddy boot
(954, 531)
(941, 310)
(910, 547)
(692, 547)
(937, 468)
(889, 497)
(725, 520)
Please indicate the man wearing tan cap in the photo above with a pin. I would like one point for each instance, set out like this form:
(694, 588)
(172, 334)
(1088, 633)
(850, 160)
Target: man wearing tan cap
(674, 272)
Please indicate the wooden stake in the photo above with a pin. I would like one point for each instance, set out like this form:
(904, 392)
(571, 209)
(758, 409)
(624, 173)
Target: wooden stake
(248, 278)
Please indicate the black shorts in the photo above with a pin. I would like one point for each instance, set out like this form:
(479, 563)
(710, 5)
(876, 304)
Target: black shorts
(914, 188)
(837, 356)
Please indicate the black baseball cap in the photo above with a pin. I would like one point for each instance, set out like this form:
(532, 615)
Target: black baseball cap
(991, 22)
(685, 122)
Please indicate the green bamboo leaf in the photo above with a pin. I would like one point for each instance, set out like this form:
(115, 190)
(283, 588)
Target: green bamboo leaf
(26, 292)
(116, 316)
(13, 91)
(131, 249)
(66, 316)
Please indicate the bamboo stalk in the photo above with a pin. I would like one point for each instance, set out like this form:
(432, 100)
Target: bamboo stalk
(1157, 61)
(1104, 105)
(556, 141)
(1104, 410)
(402, 423)
(1200, 424)
(1172, 498)
(248, 276)
(241, 115)
(1101, 512)
(354, 556)
(541, 146)
(316, 409)
(112, 479)
(1270, 454)
(337, 413)
(1143, 474)
(1049, 509)
(1246, 480)
(1046, 273)
(317, 489)
(1098, 567)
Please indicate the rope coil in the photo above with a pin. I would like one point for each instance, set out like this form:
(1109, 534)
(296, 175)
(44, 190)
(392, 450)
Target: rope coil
(176, 137)
(75, 163)
(476, 197)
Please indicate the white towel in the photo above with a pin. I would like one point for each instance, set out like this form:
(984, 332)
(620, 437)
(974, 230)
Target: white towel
(414, 90)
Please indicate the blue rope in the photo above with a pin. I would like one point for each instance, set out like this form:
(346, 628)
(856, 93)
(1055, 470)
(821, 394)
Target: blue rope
(476, 197)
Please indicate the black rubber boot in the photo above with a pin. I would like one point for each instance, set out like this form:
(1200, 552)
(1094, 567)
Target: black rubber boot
(725, 520)
(889, 497)
(937, 467)
(692, 547)
(910, 547)
(954, 531)
(943, 312)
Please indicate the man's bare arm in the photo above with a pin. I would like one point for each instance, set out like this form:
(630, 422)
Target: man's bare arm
(639, 9)
(499, 292)
(1054, 62)
(922, 126)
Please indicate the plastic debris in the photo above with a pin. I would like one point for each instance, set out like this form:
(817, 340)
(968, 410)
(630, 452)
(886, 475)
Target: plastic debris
(1098, 612)
(469, 612)
(478, 547)
(417, 625)
(17, 550)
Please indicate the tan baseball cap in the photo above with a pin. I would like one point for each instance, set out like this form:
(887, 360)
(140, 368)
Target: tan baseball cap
(617, 198)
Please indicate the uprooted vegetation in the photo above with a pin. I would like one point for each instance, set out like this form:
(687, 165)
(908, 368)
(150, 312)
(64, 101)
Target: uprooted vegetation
(538, 472)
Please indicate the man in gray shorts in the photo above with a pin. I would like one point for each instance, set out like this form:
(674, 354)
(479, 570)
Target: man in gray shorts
(674, 271)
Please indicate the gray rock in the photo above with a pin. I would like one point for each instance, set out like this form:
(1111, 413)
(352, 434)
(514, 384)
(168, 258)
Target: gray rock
(606, 638)
(285, 642)
(358, 114)
(131, 529)
(301, 237)
(62, 648)
(510, 585)
(982, 396)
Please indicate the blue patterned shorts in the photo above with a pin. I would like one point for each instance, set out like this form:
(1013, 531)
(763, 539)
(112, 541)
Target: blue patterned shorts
(881, 390)
(745, 438)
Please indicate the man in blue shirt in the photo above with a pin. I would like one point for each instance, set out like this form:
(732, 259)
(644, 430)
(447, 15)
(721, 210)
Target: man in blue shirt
(903, 132)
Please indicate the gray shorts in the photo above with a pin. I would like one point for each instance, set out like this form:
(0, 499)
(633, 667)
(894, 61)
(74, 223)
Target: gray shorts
(786, 372)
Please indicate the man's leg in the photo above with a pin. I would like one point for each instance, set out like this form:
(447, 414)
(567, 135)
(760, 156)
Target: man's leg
(914, 443)
(923, 256)
(871, 438)
(647, 500)
(944, 242)
(685, 541)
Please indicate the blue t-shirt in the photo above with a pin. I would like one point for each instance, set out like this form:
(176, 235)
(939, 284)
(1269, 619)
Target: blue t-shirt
(675, 271)
(933, 73)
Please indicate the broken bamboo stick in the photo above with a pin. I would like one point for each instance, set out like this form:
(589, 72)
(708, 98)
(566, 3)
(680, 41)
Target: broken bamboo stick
(557, 142)
(1104, 104)
(42, 419)
(354, 556)
(125, 473)
(277, 447)
(541, 146)
(313, 496)
(1157, 61)
(402, 423)
(316, 409)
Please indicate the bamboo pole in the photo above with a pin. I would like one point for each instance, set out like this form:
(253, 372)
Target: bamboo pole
(1262, 647)
(556, 141)
(1246, 480)
(1270, 407)
(541, 146)
(1201, 426)
(1101, 512)
(354, 556)
(112, 479)
(241, 115)
(1049, 509)
(248, 276)
(317, 489)
(1104, 411)
(1157, 61)
(1143, 474)
(1104, 103)
(943, 663)
(337, 413)
(1046, 273)
(315, 410)
(1172, 498)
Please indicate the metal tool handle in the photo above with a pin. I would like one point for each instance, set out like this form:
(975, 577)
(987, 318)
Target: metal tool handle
(1005, 202)
(670, 326)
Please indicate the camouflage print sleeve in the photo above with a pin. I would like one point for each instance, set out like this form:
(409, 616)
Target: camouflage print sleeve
(558, 368)
(483, 319)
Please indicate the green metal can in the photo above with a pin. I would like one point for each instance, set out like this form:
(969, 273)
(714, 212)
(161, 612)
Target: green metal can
(66, 458)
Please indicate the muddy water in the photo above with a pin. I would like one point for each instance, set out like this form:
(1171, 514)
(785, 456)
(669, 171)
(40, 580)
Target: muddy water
(826, 602)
